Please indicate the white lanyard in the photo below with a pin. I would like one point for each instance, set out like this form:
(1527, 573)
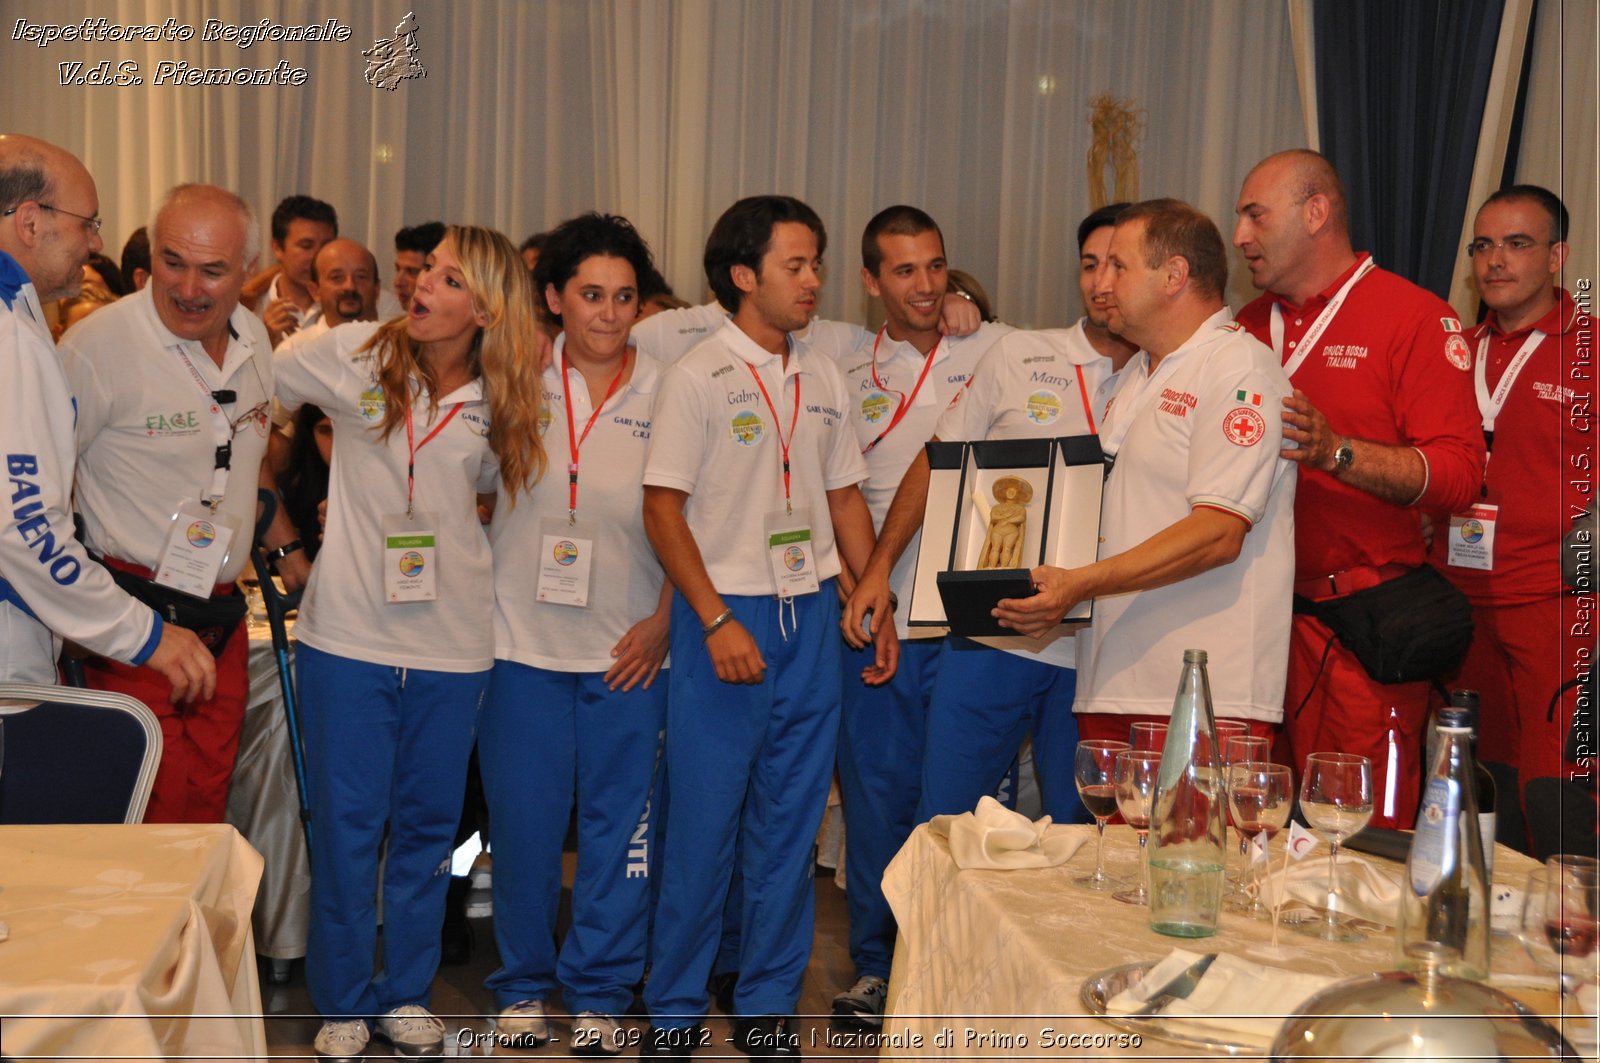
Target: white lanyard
(1489, 406)
(1318, 327)
(1131, 400)
(221, 429)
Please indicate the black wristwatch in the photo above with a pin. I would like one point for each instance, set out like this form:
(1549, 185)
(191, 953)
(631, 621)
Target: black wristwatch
(1343, 457)
(285, 550)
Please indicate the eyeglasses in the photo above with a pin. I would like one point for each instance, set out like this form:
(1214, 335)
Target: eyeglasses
(92, 224)
(1516, 245)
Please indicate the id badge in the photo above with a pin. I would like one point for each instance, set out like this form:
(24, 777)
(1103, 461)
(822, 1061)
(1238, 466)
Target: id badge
(410, 557)
(566, 557)
(1472, 538)
(791, 553)
(198, 544)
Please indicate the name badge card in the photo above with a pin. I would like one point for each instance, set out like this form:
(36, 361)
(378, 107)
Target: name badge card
(1472, 538)
(791, 553)
(566, 557)
(198, 542)
(410, 557)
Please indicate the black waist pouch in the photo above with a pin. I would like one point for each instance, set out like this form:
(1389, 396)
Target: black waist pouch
(214, 620)
(1413, 627)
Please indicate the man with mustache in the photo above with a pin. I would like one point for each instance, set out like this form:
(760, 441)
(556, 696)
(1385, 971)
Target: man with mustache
(344, 276)
(173, 387)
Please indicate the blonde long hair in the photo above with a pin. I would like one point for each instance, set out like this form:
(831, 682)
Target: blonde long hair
(502, 357)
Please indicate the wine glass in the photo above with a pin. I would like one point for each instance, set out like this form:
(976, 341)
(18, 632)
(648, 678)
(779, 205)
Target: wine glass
(1094, 767)
(1136, 782)
(1260, 796)
(1336, 798)
(1558, 929)
(1147, 735)
(1241, 749)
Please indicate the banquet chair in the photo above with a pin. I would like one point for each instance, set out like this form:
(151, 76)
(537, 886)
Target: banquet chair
(75, 756)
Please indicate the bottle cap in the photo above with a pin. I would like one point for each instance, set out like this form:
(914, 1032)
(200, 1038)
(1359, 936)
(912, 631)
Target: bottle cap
(1465, 702)
(1194, 656)
(1455, 718)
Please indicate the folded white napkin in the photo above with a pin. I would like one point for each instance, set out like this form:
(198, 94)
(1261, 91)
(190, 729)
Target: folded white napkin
(1236, 1000)
(1365, 891)
(997, 838)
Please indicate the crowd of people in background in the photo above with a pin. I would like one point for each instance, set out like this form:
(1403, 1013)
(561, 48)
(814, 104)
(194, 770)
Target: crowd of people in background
(649, 562)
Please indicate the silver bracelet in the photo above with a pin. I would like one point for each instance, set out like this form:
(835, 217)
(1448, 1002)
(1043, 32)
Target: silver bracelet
(710, 629)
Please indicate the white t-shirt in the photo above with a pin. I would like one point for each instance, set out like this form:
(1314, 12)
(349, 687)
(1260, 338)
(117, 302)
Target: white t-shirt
(873, 403)
(147, 441)
(625, 577)
(1031, 385)
(1205, 431)
(345, 611)
(671, 334)
(715, 438)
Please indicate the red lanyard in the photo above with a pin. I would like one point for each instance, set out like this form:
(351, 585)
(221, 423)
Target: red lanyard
(574, 441)
(782, 442)
(905, 401)
(413, 447)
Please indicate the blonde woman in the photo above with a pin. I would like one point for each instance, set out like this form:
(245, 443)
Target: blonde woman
(396, 630)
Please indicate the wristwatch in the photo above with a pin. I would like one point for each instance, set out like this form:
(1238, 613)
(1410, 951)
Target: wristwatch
(1343, 457)
(285, 550)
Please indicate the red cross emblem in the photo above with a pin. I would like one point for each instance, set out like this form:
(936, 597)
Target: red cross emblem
(1244, 427)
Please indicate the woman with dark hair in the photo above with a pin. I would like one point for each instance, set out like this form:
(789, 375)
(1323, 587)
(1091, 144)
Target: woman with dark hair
(395, 631)
(303, 483)
(580, 636)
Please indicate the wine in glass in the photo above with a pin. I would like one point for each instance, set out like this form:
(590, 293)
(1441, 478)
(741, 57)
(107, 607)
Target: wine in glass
(1559, 918)
(1136, 773)
(1146, 735)
(1240, 749)
(1095, 769)
(1260, 796)
(1336, 798)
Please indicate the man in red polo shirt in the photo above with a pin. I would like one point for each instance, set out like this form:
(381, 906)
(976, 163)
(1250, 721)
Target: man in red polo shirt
(1503, 550)
(1383, 423)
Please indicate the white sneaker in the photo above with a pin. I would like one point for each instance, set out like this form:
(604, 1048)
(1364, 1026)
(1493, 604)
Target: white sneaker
(863, 1002)
(595, 1034)
(482, 871)
(342, 1040)
(413, 1031)
(523, 1024)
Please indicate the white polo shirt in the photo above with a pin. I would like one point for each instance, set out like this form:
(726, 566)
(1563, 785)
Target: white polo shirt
(714, 437)
(625, 577)
(1205, 431)
(671, 334)
(146, 439)
(1031, 385)
(344, 611)
(877, 384)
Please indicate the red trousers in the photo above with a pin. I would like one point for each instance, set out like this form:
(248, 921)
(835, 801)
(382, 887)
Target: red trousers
(1347, 711)
(199, 741)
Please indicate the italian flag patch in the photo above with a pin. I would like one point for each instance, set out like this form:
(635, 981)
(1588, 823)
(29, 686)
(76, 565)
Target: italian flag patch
(1248, 396)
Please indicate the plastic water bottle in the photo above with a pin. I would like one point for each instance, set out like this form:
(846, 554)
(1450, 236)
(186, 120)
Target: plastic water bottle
(1188, 814)
(1444, 896)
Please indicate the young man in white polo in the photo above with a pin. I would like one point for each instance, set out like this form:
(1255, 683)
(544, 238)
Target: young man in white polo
(753, 505)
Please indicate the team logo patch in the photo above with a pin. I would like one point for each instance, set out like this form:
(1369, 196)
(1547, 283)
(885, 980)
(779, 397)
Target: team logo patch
(1471, 530)
(545, 417)
(202, 534)
(566, 552)
(1043, 407)
(1244, 427)
(410, 563)
(747, 428)
(794, 559)
(875, 407)
(1455, 349)
(1450, 324)
(371, 404)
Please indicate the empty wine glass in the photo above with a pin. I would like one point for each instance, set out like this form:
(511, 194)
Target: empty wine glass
(1094, 767)
(1136, 782)
(1559, 919)
(1260, 796)
(1147, 735)
(1336, 798)
(1241, 749)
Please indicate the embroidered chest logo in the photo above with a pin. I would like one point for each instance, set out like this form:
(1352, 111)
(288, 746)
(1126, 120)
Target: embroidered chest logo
(1177, 403)
(370, 405)
(1244, 427)
(177, 423)
(1043, 407)
(875, 407)
(747, 428)
(1553, 392)
(1343, 355)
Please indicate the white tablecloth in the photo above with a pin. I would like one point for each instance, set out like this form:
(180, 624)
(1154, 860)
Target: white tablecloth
(995, 960)
(128, 941)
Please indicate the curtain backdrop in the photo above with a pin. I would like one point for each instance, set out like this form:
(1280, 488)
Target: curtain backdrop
(668, 110)
(1400, 95)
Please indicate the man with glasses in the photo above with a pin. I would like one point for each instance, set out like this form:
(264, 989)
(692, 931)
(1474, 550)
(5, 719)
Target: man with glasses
(173, 386)
(1383, 424)
(49, 589)
(1504, 550)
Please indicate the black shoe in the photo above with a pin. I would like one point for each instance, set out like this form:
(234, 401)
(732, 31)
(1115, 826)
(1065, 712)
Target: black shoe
(767, 1037)
(669, 1044)
(455, 938)
(722, 987)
